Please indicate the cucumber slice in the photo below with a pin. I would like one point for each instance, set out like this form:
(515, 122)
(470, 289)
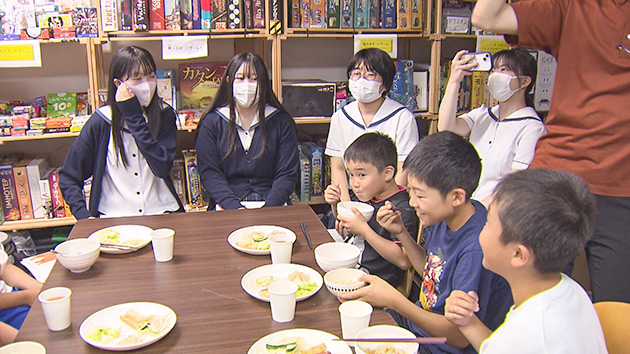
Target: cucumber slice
(260, 238)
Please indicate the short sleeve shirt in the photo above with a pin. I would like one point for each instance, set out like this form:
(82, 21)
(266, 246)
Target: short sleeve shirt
(370, 258)
(502, 145)
(558, 320)
(392, 119)
(589, 121)
(454, 263)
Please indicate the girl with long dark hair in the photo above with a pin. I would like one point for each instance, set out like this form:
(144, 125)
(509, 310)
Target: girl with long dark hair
(246, 144)
(127, 146)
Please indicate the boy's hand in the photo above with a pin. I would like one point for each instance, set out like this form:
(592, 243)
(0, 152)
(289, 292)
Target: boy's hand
(332, 194)
(460, 307)
(340, 229)
(461, 67)
(355, 224)
(390, 219)
(378, 292)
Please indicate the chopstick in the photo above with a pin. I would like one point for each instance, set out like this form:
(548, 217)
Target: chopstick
(305, 232)
(119, 247)
(428, 340)
(403, 209)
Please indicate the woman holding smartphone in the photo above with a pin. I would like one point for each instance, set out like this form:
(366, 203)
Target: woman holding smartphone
(505, 135)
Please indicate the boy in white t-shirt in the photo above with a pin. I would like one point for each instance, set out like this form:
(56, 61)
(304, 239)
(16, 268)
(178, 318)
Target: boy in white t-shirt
(537, 223)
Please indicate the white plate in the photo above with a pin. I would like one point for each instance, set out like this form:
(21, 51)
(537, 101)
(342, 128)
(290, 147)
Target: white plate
(236, 235)
(110, 317)
(312, 336)
(279, 272)
(126, 233)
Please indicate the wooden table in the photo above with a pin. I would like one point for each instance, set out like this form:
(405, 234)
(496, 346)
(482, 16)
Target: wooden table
(201, 284)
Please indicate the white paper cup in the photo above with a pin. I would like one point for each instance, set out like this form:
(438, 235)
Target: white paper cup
(162, 241)
(4, 260)
(355, 316)
(282, 300)
(281, 246)
(56, 307)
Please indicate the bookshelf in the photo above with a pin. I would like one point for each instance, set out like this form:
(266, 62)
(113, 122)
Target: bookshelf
(80, 64)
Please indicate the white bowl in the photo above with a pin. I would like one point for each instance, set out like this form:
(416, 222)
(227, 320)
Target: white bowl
(386, 331)
(78, 255)
(343, 280)
(26, 347)
(345, 209)
(333, 255)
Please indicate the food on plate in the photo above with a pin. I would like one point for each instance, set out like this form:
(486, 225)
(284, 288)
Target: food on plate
(132, 243)
(385, 349)
(256, 239)
(129, 340)
(108, 236)
(304, 283)
(145, 325)
(302, 280)
(294, 345)
(103, 335)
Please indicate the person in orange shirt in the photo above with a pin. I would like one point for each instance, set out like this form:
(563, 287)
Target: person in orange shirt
(588, 126)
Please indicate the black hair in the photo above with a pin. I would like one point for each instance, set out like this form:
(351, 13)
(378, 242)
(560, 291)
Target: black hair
(374, 148)
(254, 66)
(522, 63)
(550, 212)
(445, 161)
(126, 63)
(376, 60)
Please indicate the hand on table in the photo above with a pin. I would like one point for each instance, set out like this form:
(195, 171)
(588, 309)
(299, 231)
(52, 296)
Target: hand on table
(378, 292)
(460, 307)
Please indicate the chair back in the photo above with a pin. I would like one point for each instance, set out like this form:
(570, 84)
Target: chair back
(405, 286)
(615, 320)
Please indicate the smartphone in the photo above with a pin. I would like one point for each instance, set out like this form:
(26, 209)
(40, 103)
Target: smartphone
(483, 59)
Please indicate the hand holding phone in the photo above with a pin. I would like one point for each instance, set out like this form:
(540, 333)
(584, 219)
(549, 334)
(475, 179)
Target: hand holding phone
(483, 59)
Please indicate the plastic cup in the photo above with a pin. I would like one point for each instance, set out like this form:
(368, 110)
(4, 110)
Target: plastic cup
(56, 307)
(282, 300)
(162, 241)
(281, 247)
(355, 316)
(4, 260)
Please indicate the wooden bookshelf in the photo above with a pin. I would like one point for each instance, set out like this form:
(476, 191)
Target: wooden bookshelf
(36, 224)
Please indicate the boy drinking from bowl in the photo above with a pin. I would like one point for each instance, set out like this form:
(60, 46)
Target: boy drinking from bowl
(538, 221)
(371, 162)
(442, 171)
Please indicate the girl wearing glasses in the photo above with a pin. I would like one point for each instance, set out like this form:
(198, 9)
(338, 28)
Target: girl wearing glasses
(504, 135)
(370, 76)
(246, 142)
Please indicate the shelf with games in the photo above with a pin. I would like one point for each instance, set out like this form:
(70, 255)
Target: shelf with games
(36, 224)
(155, 35)
(8, 139)
(279, 50)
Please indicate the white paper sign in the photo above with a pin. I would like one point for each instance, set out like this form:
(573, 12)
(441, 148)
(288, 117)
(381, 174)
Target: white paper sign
(387, 42)
(184, 47)
(20, 54)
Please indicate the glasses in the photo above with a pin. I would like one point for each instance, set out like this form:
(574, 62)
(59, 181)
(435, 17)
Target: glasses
(368, 75)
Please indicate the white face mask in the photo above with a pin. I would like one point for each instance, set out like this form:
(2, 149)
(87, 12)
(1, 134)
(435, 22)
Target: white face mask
(144, 91)
(245, 93)
(499, 86)
(365, 91)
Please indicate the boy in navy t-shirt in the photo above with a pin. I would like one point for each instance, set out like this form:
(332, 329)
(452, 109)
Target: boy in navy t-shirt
(443, 170)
